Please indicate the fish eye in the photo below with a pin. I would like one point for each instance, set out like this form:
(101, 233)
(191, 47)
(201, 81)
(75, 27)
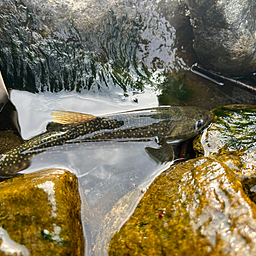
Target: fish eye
(199, 123)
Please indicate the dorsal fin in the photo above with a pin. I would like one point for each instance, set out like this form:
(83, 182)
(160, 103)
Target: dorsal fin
(68, 117)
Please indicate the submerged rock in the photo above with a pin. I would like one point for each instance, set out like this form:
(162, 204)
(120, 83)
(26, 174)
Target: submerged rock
(225, 34)
(196, 207)
(40, 213)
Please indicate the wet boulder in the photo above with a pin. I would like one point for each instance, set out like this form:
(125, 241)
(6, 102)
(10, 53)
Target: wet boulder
(197, 207)
(40, 214)
(230, 138)
(224, 34)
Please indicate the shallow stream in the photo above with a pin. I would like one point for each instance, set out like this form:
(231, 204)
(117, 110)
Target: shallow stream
(134, 55)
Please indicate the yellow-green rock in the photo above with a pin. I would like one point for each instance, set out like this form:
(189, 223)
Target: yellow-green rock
(197, 207)
(41, 211)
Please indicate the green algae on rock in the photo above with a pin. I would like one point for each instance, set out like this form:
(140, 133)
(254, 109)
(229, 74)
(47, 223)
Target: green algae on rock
(233, 128)
(195, 207)
(41, 211)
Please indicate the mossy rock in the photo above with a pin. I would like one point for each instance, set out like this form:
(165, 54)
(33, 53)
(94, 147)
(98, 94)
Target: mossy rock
(230, 138)
(41, 211)
(197, 207)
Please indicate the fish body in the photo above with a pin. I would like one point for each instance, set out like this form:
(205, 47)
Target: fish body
(167, 124)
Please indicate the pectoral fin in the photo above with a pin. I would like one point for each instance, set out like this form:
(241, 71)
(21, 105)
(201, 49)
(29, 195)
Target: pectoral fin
(68, 117)
(161, 155)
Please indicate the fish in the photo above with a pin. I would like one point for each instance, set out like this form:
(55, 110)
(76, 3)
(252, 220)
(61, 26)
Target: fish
(167, 124)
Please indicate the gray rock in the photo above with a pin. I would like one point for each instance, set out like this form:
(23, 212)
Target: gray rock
(225, 34)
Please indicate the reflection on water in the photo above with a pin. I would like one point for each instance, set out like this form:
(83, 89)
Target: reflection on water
(123, 44)
(138, 45)
(113, 177)
(157, 46)
(34, 110)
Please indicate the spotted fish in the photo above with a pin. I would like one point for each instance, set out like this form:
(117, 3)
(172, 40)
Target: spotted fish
(163, 124)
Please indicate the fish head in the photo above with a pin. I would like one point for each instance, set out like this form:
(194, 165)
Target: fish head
(188, 123)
